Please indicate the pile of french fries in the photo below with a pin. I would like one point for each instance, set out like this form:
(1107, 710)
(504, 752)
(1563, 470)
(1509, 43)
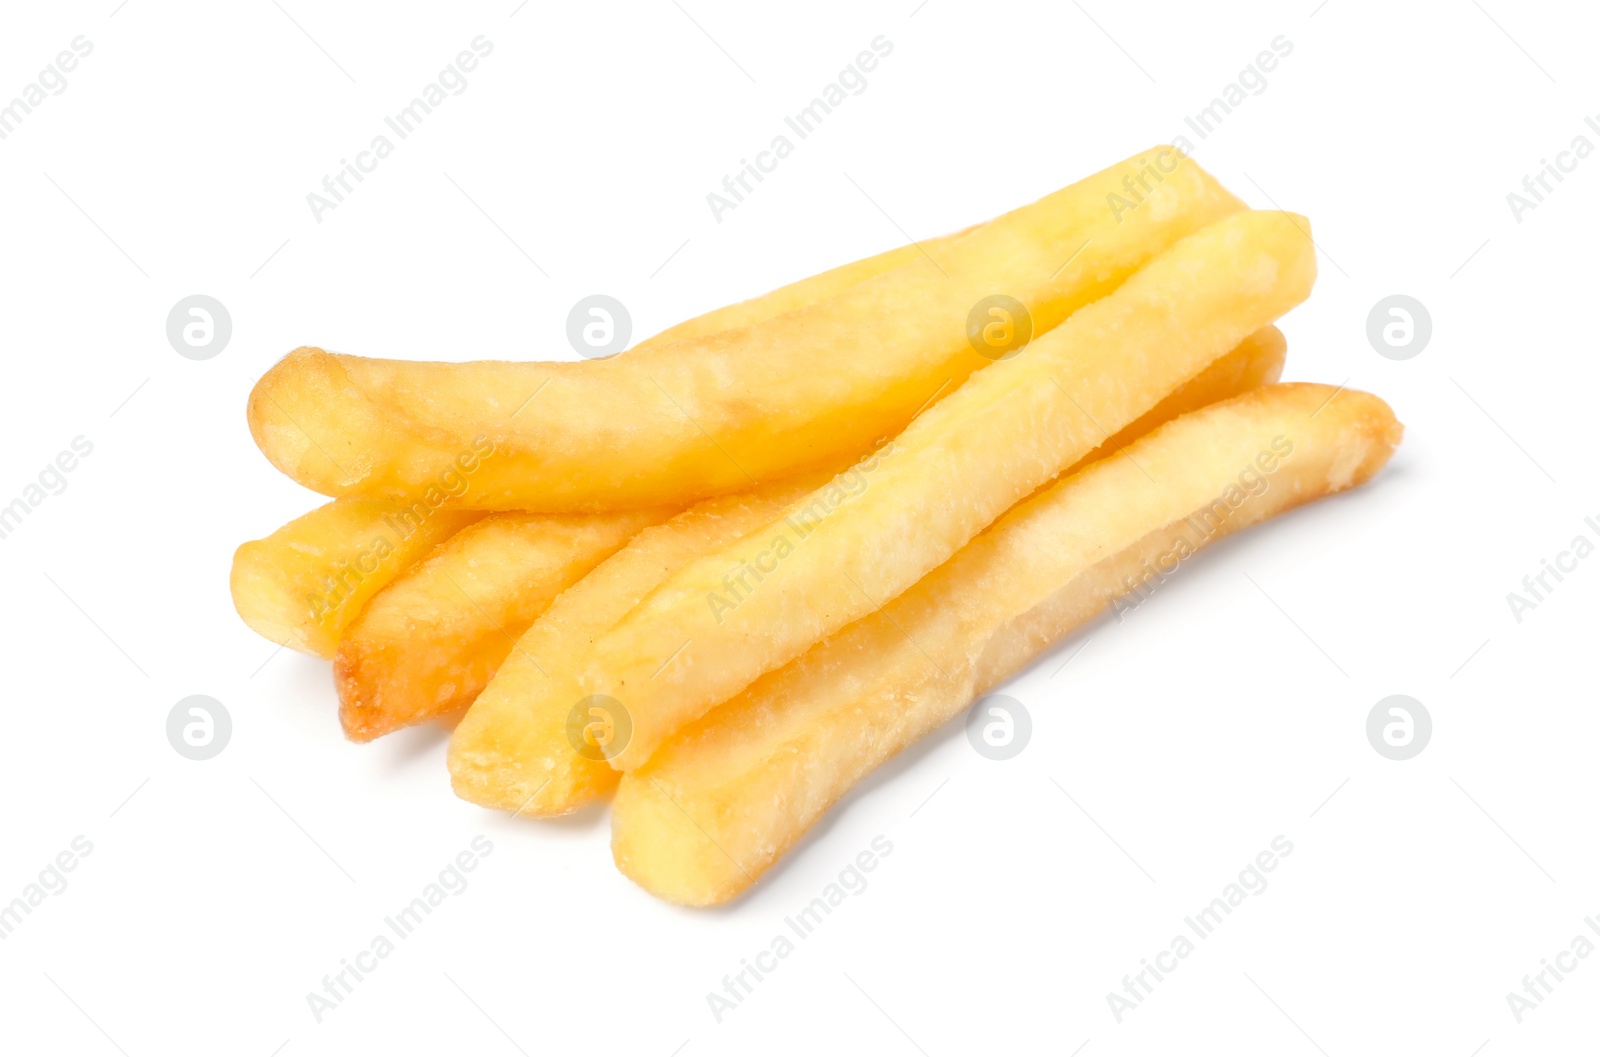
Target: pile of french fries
(721, 577)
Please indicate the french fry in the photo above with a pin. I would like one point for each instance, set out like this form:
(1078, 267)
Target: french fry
(271, 576)
(851, 547)
(513, 751)
(727, 796)
(1257, 361)
(682, 420)
(427, 643)
(304, 584)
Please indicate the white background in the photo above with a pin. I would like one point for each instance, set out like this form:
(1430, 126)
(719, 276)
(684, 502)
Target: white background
(1219, 715)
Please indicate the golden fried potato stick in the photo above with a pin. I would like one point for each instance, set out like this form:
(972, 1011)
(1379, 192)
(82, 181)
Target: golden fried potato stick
(426, 644)
(727, 796)
(278, 581)
(304, 584)
(851, 547)
(514, 751)
(675, 422)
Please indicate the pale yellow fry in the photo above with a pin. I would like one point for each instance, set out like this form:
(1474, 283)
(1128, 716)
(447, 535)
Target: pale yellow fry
(1257, 361)
(728, 795)
(304, 584)
(678, 421)
(514, 750)
(855, 544)
(429, 642)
